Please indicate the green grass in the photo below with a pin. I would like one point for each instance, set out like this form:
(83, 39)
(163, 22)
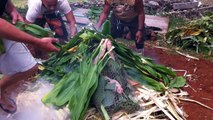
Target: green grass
(20, 3)
(23, 3)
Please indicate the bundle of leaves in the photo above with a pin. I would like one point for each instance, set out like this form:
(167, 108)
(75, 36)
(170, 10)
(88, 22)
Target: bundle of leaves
(195, 35)
(32, 29)
(78, 68)
(76, 71)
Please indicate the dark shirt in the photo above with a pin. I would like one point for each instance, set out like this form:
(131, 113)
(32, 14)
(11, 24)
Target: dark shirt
(2, 6)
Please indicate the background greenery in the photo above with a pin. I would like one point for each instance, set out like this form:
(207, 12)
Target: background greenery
(20, 3)
(23, 3)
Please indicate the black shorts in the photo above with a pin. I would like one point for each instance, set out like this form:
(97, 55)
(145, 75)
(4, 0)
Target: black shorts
(56, 24)
(117, 29)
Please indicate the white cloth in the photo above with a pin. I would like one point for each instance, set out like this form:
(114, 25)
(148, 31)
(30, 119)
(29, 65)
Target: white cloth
(35, 9)
(16, 59)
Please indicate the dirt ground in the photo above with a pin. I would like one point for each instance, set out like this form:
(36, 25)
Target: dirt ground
(200, 84)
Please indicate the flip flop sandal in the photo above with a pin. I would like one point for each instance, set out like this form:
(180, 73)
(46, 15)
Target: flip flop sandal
(7, 110)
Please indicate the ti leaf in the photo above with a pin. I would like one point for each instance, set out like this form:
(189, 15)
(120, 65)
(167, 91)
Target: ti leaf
(177, 83)
(106, 28)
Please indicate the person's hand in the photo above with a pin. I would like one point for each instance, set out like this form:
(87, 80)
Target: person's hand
(73, 31)
(139, 36)
(16, 17)
(12, 12)
(47, 44)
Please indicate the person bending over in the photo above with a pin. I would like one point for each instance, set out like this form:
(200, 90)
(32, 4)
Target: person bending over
(16, 62)
(125, 13)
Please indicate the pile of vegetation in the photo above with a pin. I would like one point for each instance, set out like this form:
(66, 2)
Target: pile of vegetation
(78, 69)
(196, 35)
(92, 59)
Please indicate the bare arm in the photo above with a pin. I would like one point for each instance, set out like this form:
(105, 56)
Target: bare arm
(9, 31)
(11, 11)
(141, 19)
(104, 14)
(72, 23)
(141, 14)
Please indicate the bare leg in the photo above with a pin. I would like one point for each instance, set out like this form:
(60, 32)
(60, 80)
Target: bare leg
(9, 81)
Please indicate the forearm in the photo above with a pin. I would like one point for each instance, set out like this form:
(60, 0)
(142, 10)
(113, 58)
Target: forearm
(104, 14)
(71, 19)
(141, 21)
(139, 7)
(8, 31)
(102, 18)
(10, 8)
(72, 26)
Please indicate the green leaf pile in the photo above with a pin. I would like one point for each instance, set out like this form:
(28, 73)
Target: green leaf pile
(195, 35)
(76, 76)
